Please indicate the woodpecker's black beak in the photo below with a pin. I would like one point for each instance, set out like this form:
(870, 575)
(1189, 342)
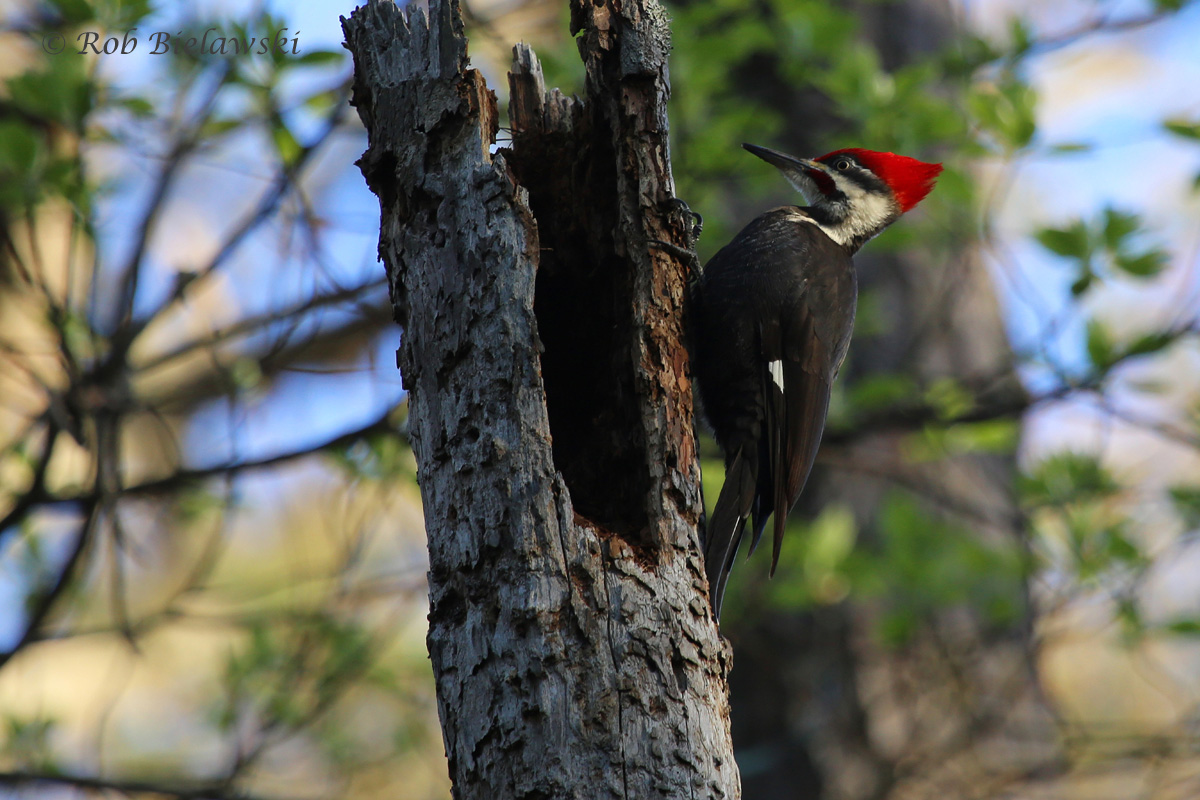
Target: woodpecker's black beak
(809, 177)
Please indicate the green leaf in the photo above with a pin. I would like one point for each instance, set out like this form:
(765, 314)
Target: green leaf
(1070, 147)
(61, 92)
(321, 102)
(1007, 109)
(1021, 125)
(925, 564)
(30, 741)
(285, 143)
(1182, 127)
(1129, 617)
(1065, 478)
(1083, 283)
(386, 456)
(194, 503)
(898, 627)
(883, 390)
(949, 398)
(246, 373)
(19, 147)
(936, 442)
(1187, 504)
(218, 127)
(123, 13)
(1150, 343)
(1073, 241)
(74, 12)
(1118, 225)
(1100, 347)
(1143, 265)
(1186, 626)
(77, 335)
(138, 106)
(1118, 547)
(830, 540)
(319, 57)
(1020, 36)
(989, 436)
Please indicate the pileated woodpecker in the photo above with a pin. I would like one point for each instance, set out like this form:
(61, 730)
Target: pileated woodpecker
(772, 316)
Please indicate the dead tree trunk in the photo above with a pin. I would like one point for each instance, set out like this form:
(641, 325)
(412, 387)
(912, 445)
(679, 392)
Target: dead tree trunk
(549, 407)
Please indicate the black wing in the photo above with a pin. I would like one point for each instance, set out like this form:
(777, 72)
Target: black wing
(774, 314)
(795, 411)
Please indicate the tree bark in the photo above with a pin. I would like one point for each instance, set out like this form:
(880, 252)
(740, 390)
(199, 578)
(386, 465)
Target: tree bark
(550, 408)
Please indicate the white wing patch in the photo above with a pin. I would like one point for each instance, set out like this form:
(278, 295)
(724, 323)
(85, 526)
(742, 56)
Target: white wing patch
(776, 368)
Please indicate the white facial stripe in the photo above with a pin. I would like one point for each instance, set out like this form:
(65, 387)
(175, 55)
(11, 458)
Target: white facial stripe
(776, 368)
(867, 213)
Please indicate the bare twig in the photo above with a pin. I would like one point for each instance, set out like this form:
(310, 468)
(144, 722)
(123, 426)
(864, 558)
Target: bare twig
(200, 791)
(250, 325)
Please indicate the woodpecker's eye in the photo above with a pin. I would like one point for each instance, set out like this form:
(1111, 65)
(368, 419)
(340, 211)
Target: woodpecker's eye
(843, 164)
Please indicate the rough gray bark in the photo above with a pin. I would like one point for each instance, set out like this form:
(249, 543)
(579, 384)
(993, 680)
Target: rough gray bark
(550, 409)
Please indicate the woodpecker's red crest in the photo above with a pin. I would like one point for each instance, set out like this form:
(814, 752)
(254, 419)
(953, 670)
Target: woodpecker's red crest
(909, 179)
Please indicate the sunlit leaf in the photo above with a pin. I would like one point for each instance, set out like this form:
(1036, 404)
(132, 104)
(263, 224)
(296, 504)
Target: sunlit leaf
(949, 398)
(28, 741)
(1006, 109)
(925, 564)
(1073, 241)
(1067, 478)
(1150, 343)
(1143, 265)
(1100, 347)
(1187, 504)
(882, 390)
(74, 12)
(1083, 283)
(285, 143)
(1129, 618)
(122, 13)
(1188, 129)
(1118, 225)
(1186, 626)
(19, 148)
(60, 92)
(1070, 147)
(319, 57)
(246, 373)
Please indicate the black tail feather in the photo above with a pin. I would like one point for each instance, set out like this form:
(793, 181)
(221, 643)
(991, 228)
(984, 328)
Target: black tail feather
(729, 521)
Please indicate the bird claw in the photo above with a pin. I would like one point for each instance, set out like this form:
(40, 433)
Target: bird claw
(697, 222)
(692, 229)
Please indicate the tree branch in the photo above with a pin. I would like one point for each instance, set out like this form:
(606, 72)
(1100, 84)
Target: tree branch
(200, 791)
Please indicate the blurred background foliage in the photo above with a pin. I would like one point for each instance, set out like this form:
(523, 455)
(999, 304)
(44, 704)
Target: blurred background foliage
(211, 552)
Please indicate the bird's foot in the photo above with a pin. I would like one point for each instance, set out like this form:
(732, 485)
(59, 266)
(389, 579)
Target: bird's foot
(693, 225)
(688, 257)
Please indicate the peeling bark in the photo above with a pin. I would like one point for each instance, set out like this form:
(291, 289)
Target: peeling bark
(550, 409)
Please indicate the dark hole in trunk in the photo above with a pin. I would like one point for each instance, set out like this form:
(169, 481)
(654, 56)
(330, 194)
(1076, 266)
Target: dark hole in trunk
(584, 307)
